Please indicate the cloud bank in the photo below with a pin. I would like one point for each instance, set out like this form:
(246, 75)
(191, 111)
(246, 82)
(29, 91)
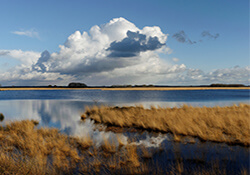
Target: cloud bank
(117, 52)
(234, 75)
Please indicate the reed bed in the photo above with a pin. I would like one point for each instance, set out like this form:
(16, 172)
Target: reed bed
(24, 149)
(229, 124)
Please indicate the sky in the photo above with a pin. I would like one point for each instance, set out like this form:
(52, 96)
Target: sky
(117, 42)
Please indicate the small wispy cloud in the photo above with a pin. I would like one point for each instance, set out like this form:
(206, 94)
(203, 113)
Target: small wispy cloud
(182, 37)
(209, 35)
(30, 33)
(175, 59)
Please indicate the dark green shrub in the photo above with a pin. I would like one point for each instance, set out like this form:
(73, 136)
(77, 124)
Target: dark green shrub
(1, 117)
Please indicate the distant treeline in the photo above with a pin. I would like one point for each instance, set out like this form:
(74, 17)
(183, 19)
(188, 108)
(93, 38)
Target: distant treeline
(227, 85)
(77, 85)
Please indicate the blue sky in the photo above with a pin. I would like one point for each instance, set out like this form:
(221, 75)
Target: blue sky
(30, 27)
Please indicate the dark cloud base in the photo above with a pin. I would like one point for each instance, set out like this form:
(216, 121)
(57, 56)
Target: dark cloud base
(133, 44)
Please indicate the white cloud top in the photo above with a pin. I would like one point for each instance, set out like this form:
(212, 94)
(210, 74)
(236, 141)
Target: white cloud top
(26, 57)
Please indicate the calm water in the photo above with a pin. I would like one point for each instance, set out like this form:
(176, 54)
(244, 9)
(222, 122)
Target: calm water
(62, 108)
(129, 96)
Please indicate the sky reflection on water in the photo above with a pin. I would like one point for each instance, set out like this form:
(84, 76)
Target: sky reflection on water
(65, 114)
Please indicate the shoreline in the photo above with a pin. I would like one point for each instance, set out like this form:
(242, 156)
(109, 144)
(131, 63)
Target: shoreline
(126, 89)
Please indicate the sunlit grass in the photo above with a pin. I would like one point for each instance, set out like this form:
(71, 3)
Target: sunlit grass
(219, 124)
(24, 149)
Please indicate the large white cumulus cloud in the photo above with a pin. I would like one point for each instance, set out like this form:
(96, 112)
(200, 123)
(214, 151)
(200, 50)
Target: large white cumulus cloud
(85, 53)
(115, 47)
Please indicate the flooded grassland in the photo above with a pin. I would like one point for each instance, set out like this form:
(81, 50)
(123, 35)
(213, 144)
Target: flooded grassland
(196, 140)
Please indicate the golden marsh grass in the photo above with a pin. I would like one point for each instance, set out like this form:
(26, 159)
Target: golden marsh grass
(24, 149)
(27, 150)
(228, 124)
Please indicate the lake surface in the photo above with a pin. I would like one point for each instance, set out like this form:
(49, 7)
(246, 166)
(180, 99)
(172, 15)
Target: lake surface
(128, 96)
(62, 108)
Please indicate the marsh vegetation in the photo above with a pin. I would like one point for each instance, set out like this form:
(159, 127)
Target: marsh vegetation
(28, 149)
(218, 124)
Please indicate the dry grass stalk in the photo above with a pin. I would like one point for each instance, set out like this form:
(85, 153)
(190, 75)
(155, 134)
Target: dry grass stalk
(179, 167)
(83, 143)
(219, 124)
(146, 153)
(132, 156)
(244, 171)
(108, 147)
(120, 142)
